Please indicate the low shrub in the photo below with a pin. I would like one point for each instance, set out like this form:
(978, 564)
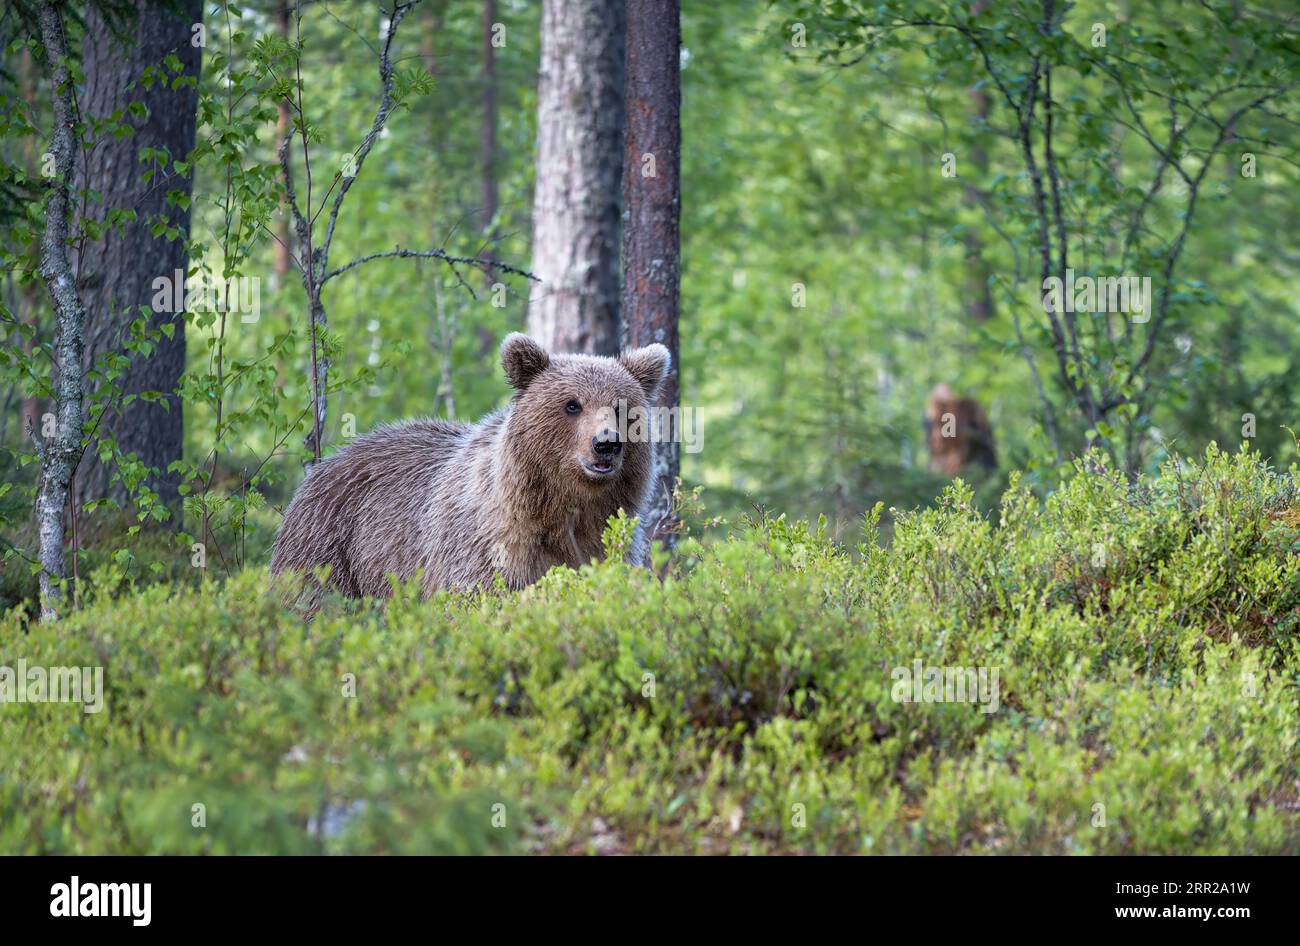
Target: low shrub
(755, 699)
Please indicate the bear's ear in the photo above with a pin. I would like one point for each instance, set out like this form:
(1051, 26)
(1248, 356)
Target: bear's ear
(649, 366)
(523, 359)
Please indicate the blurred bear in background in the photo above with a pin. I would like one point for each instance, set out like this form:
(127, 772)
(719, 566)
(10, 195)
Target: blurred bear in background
(958, 433)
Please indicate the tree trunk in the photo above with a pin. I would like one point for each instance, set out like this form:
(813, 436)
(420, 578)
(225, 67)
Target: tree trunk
(29, 301)
(651, 237)
(487, 145)
(579, 171)
(283, 128)
(59, 454)
(117, 272)
(979, 295)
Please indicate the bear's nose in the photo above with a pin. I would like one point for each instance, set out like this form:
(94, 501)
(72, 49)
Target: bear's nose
(606, 443)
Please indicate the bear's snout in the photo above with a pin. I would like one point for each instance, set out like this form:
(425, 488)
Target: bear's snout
(605, 458)
(606, 443)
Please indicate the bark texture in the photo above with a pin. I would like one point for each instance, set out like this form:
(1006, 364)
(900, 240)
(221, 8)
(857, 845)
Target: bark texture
(651, 236)
(283, 128)
(579, 174)
(59, 454)
(29, 297)
(117, 272)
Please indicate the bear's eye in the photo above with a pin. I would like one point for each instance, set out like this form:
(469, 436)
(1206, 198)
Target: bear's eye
(573, 407)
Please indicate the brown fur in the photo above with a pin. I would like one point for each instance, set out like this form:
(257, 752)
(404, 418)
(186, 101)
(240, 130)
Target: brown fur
(462, 503)
(969, 436)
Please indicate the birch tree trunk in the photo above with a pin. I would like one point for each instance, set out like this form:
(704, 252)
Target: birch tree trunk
(283, 128)
(579, 170)
(979, 295)
(487, 144)
(651, 238)
(60, 453)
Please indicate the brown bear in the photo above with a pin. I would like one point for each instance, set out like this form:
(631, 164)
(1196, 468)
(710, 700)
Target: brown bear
(958, 433)
(528, 487)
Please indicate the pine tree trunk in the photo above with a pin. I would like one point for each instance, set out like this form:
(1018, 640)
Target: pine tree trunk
(579, 174)
(29, 298)
(651, 237)
(117, 272)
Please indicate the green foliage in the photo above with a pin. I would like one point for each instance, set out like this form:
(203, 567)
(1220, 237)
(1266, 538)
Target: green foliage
(816, 165)
(1145, 637)
(827, 122)
(742, 697)
(246, 392)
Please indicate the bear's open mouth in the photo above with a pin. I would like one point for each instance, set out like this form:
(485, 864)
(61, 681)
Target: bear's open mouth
(599, 467)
